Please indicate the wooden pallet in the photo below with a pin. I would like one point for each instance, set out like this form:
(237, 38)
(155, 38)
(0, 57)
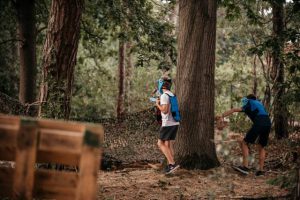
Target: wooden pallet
(28, 141)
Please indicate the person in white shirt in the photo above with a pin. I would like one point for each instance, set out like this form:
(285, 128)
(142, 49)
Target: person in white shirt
(169, 127)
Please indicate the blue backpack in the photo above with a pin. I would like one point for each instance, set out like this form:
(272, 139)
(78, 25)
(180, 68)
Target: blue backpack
(174, 108)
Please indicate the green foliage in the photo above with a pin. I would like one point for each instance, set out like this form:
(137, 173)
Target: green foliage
(104, 24)
(288, 181)
(96, 89)
(240, 123)
(259, 41)
(134, 21)
(8, 50)
(234, 79)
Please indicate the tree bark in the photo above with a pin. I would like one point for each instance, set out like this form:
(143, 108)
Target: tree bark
(194, 147)
(254, 90)
(266, 66)
(121, 94)
(129, 76)
(59, 57)
(277, 73)
(27, 50)
(267, 97)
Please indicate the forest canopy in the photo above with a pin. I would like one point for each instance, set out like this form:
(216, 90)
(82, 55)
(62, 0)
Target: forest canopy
(146, 32)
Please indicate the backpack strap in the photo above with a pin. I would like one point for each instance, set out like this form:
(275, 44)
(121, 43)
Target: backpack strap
(169, 103)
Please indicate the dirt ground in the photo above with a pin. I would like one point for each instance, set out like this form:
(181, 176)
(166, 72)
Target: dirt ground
(141, 181)
(132, 143)
(219, 183)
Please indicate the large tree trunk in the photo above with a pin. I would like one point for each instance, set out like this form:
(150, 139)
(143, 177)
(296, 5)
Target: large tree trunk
(27, 50)
(59, 57)
(277, 74)
(195, 146)
(121, 94)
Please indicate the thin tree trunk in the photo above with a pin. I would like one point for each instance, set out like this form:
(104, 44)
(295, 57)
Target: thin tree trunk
(277, 73)
(254, 90)
(194, 147)
(129, 76)
(59, 57)
(121, 94)
(266, 71)
(267, 97)
(297, 189)
(231, 95)
(27, 50)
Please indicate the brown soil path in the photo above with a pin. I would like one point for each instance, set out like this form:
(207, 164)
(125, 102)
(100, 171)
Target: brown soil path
(219, 183)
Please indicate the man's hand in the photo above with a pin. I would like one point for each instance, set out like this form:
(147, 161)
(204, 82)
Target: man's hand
(220, 123)
(218, 117)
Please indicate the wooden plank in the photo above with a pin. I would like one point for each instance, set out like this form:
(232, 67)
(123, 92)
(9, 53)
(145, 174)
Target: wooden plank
(6, 181)
(98, 130)
(52, 178)
(7, 153)
(58, 158)
(89, 166)
(25, 160)
(60, 141)
(9, 119)
(8, 135)
(51, 184)
(61, 125)
(55, 193)
(9, 126)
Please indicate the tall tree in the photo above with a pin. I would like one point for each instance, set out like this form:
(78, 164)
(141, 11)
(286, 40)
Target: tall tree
(59, 57)
(129, 76)
(195, 146)
(27, 49)
(122, 76)
(277, 74)
(254, 89)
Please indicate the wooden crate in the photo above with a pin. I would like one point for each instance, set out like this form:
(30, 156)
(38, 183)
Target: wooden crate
(27, 142)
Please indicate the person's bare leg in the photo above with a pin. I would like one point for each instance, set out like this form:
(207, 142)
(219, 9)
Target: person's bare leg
(171, 147)
(245, 152)
(166, 151)
(262, 156)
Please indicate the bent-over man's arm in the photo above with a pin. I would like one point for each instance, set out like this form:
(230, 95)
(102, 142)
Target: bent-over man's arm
(233, 110)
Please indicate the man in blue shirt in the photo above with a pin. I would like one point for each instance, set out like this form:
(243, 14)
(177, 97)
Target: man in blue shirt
(259, 132)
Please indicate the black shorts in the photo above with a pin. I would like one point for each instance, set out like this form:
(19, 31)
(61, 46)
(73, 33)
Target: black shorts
(258, 133)
(168, 132)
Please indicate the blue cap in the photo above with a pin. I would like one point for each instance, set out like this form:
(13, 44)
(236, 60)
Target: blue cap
(160, 84)
(244, 101)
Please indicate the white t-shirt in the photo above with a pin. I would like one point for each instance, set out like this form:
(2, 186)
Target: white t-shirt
(167, 119)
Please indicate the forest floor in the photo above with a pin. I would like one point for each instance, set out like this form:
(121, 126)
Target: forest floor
(220, 183)
(138, 175)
